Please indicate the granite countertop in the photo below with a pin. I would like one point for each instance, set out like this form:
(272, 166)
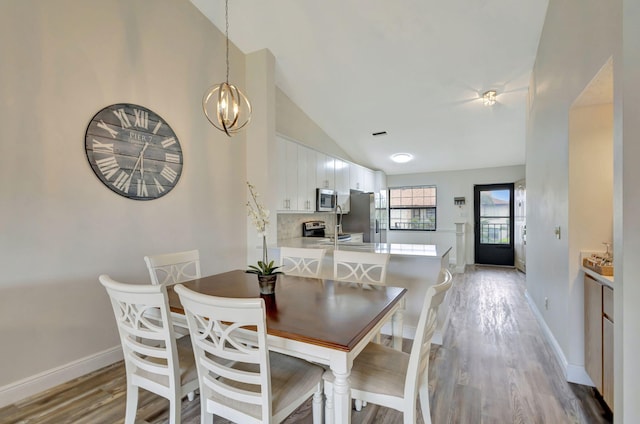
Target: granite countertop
(397, 249)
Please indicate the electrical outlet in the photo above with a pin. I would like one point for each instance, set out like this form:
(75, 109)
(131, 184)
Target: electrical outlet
(546, 303)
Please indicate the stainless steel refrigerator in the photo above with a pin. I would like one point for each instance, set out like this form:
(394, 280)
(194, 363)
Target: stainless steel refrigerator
(365, 218)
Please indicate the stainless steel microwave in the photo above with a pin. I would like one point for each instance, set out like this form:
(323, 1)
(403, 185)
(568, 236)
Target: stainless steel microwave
(326, 200)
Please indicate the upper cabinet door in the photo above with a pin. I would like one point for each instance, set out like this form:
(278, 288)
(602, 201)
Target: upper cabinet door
(325, 169)
(287, 175)
(356, 177)
(342, 183)
(306, 179)
(369, 180)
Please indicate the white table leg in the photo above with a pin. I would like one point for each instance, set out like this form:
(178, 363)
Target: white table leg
(341, 397)
(396, 322)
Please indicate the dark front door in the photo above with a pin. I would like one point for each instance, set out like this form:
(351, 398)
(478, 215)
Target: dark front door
(493, 210)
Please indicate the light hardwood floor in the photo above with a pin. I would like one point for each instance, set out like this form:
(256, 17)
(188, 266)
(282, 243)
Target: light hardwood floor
(493, 367)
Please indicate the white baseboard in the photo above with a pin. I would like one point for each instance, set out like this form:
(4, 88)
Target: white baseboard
(573, 373)
(45, 380)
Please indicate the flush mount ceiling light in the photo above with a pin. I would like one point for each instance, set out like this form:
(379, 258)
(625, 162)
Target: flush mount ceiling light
(489, 98)
(224, 105)
(401, 157)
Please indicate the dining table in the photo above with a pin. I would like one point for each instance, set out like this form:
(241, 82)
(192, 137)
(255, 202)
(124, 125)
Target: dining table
(319, 320)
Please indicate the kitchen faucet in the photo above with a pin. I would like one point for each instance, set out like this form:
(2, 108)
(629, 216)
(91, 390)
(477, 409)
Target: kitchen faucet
(338, 228)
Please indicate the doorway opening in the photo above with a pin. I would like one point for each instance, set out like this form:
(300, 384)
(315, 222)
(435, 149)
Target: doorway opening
(493, 215)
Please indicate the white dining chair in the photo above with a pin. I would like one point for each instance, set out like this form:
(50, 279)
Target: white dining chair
(360, 267)
(172, 268)
(240, 380)
(391, 378)
(154, 360)
(302, 262)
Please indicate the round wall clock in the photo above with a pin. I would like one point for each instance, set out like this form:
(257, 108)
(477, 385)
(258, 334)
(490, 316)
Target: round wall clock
(133, 151)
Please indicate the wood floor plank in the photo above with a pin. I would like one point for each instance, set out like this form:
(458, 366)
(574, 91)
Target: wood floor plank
(494, 366)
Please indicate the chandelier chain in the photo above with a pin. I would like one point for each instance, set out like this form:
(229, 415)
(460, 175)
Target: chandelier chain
(226, 31)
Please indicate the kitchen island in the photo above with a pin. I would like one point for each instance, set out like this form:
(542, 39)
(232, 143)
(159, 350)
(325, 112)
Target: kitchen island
(412, 266)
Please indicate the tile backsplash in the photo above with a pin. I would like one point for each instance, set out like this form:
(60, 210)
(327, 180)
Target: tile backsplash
(290, 224)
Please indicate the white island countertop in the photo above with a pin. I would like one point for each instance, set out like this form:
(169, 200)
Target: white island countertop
(395, 249)
(415, 267)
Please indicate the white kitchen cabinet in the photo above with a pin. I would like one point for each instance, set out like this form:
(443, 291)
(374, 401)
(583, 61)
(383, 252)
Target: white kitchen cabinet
(342, 172)
(356, 177)
(325, 171)
(287, 175)
(306, 179)
(380, 182)
(369, 180)
(361, 178)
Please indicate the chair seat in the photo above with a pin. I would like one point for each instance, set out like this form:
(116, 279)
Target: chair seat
(289, 378)
(188, 371)
(378, 369)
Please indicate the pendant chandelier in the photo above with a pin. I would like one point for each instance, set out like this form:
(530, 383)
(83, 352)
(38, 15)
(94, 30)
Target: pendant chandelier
(224, 105)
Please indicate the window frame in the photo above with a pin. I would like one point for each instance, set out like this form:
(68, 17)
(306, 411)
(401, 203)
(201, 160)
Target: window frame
(428, 209)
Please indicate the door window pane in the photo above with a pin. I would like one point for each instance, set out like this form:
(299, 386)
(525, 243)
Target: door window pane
(494, 203)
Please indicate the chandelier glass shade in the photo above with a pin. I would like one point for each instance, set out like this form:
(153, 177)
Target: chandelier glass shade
(224, 105)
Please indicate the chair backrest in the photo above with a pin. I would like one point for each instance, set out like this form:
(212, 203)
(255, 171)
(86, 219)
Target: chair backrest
(360, 267)
(148, 344)
(232, 361)
(172, 268)
(427, 322)
(301, 261)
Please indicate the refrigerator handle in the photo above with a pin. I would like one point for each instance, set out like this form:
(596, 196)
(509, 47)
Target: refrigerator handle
(377, 226)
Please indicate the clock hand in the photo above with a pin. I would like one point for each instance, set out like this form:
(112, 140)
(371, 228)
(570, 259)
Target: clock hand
(138, 161)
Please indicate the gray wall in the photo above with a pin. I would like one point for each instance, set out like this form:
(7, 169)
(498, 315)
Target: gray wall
(63, 61)
(452, 184)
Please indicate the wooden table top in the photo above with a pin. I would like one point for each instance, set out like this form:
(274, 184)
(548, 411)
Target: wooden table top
(321, 312)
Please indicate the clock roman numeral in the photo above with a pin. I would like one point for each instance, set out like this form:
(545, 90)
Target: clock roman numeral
(107, 128)
(122, 116)
(168, 142)
(102, 147)
(169, 174)
(122, 182)
(158, 186)
(157, 127)
(108, 167)
(142, 118)
(171, 157)
(142, 188)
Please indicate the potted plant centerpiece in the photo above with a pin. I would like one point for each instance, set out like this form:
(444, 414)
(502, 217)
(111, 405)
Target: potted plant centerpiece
(266, 271)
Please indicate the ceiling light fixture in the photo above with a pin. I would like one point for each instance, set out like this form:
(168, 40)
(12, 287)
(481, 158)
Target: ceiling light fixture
(401, 157)
(489, 98)
(232, 108)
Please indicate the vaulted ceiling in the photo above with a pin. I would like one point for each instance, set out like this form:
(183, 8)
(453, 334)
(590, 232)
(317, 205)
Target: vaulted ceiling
(416, 69)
